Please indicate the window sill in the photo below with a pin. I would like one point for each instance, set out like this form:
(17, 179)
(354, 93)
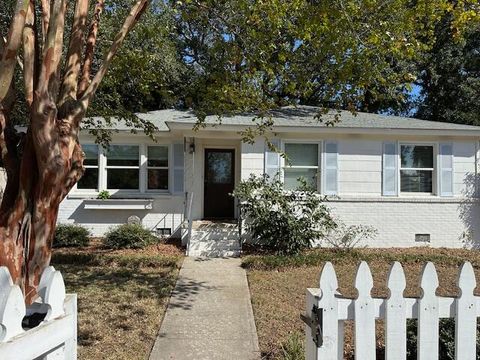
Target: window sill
(119, 195)
(404, 199)
(118, 204)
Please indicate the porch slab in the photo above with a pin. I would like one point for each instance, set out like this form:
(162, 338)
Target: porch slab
(209, 315)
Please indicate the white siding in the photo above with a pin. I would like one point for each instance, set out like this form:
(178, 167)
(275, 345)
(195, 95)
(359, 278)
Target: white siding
(464, 155)
(360, 167)
(252, 159)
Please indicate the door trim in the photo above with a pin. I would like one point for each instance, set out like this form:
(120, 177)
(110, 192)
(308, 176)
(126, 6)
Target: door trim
(235, 162)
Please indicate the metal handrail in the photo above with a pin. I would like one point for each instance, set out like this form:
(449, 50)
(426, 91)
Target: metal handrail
(188, 216)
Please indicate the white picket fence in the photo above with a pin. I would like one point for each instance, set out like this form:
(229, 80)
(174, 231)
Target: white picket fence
(327, 311)
(55, 337)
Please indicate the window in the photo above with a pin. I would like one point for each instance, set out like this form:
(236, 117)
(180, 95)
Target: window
(302, 162)
(89, 179)
(123, 167)
(416, 168)
(157, 168)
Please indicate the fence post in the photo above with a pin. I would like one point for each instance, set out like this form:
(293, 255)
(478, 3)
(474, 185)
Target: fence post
(428, 314)
(365, 348)
(466, 315)
(395, 315)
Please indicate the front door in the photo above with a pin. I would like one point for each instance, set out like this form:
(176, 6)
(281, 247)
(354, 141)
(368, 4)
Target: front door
(219, 183)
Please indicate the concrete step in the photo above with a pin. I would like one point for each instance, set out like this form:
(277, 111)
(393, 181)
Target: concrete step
(214, 239)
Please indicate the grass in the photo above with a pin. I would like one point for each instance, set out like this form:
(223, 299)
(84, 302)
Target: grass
(122, 296)
(280, 283)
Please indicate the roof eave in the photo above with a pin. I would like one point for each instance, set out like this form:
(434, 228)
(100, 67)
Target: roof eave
(332, 130)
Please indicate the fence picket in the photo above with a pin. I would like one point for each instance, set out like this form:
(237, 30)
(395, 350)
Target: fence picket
(364, 314)
(12, 307)
(466, 315)
(427, 333)
(395, 315)
(329, 303)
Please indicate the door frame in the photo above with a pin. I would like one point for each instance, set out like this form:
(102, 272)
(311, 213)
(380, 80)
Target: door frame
(236, 171)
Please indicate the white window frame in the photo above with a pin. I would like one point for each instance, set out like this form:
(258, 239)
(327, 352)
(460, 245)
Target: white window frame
(96, 189)
(168, 168)
(143, 171)
(107, 167)
(434, 170)
(283, 164)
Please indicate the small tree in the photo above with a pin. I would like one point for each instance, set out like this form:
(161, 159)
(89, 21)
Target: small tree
(44, 164)
(285, 222)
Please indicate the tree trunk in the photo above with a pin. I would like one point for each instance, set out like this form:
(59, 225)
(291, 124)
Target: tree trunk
(44, 164)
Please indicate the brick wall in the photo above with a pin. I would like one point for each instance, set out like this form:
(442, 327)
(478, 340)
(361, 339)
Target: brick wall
(397, 221)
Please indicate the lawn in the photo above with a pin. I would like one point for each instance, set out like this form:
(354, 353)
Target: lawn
(278, 285)
(122, 296)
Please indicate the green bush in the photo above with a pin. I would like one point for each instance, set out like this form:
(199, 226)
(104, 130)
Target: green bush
(446, 339)
(70, 235)
(128, 236)
(285, 222)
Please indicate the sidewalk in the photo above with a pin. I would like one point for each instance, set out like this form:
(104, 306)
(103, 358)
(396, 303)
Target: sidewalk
(209, 315)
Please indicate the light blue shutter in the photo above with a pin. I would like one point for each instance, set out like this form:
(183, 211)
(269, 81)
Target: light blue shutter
(446, 169)
(272, 159)
(390, 169)
(178, 168)
(331, 168)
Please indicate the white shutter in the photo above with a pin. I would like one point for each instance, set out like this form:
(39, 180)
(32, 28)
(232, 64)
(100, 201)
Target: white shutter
(446, 169)
(331, 168)
(390, 169)
(272, 159)
(178, 168)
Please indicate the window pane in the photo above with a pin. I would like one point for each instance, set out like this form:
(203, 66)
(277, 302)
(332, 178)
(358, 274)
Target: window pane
(89, 180)
(302, 154)
(91, 155)
(416, 181)
(122, 179)
(122, 155)
(291, 178)
(219, 167)
(157, 156)
(414, 156)
(158, 179)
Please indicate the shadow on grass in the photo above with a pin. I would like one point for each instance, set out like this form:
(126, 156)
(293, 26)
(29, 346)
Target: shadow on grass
(119, 299)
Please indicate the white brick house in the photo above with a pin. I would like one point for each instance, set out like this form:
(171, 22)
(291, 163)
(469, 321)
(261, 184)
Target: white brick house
(413, 180)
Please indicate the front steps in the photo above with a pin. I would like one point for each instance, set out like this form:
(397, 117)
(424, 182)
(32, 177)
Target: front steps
(214, 239)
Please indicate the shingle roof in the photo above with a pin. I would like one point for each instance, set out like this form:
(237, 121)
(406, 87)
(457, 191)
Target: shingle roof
(301, 116)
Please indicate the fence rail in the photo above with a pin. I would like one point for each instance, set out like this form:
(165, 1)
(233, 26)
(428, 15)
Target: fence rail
(327, 311)
(55, 337)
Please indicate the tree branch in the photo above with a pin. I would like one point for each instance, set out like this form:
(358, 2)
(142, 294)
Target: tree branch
(52, 51)
(29, 53)
(70, 81)
(9, 53)
(45, 19)
(130, 22)
(90, 48)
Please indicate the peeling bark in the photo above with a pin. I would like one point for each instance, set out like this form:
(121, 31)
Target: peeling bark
(45, 163)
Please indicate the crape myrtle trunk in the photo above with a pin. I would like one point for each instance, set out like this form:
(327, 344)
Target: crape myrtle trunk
(46, 161)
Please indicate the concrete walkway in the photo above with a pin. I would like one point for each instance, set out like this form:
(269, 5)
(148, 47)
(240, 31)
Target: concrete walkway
(209, 315)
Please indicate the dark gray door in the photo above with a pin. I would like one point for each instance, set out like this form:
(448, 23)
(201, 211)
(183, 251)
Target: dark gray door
(219, 183)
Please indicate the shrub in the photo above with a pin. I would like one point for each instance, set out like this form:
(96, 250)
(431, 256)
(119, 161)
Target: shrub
(446, 339)
(128, 236)
(347, 238)
(285, 222)
(103, 195)
(70, 235)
